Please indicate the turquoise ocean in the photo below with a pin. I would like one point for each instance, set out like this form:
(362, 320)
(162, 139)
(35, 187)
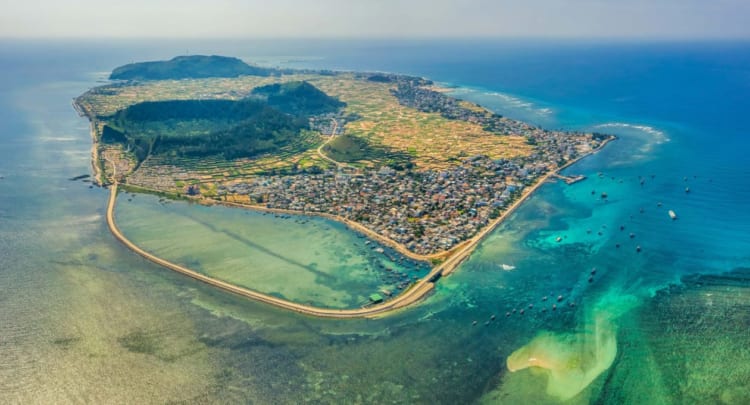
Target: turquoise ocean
(646, 309)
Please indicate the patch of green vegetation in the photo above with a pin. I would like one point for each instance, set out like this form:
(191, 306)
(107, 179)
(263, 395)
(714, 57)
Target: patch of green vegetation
(274, 120)
(189, 67)
(199, 128)
(380, 78)
(347, 148)
(140, 117)
(298, 98)
(267, 131)
(350, 149)
(418, 230)
(111, 136)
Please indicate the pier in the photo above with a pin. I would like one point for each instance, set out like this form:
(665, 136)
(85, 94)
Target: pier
(569, 179)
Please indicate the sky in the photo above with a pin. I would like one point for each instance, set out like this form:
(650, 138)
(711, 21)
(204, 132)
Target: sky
(660, 19)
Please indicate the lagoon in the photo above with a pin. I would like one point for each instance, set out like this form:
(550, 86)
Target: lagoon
(85, 320)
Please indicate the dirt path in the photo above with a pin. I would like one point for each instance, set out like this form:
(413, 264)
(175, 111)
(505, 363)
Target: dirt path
(330, 138)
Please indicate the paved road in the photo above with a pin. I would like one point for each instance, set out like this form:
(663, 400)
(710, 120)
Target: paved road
(412, 295)
(330, 138)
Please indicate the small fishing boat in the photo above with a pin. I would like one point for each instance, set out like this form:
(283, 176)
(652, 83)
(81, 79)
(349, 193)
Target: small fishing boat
(672, 214)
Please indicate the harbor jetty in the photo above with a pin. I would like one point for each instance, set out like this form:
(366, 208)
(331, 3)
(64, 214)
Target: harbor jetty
(569, 179)
(415, 293)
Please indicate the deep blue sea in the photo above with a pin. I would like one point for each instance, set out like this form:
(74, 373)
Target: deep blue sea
(82, 320)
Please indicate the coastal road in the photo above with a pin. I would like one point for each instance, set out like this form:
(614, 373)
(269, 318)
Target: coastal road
(418, 290)
(412, 295)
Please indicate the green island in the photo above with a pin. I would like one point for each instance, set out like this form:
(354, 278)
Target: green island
(393, 157)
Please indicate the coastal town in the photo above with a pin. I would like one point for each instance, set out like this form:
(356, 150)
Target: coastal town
(427, 210)
(393, 157)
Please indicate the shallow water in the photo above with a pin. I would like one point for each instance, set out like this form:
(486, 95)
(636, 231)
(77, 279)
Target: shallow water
(301, 258)
(84, 320)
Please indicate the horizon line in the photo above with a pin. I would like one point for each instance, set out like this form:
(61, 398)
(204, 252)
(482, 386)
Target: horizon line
(545, 38)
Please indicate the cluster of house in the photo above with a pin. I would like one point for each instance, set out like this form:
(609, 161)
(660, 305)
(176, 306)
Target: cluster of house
(412, 93)
(426, 211)
(328, 124)
(160, 176)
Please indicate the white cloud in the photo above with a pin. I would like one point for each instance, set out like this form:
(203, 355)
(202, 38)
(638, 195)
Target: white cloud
(385, 18)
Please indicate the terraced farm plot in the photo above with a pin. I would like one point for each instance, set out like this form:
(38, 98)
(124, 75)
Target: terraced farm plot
(109, 99)
(349, 148)
(431, 139)
(174, 173)
(384, 131)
